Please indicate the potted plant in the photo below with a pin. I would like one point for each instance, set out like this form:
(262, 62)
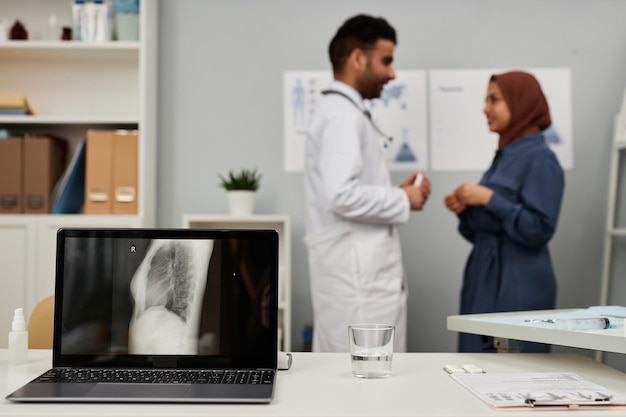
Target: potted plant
(241, 187)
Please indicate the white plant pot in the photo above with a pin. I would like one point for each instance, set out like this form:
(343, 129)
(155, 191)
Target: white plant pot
(241, 202)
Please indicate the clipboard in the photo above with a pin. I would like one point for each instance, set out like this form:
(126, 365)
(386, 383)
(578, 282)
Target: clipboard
(537, 390)
(532, 403)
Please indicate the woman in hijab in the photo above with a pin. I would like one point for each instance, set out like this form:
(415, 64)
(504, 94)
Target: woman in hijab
(511, 215)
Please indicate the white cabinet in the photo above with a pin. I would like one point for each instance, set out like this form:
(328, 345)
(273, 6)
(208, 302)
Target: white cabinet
(28, 257)
(72, 87)
(280, 223)
(18, 269)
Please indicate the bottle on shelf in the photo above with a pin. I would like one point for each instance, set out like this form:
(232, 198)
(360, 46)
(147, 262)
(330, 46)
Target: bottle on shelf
(52, 31)
(18, 31)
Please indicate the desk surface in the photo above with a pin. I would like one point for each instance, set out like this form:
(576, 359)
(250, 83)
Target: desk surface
(320, 384)
(513, 326)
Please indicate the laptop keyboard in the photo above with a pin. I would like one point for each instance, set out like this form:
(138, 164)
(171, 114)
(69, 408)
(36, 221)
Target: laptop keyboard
(158, 376)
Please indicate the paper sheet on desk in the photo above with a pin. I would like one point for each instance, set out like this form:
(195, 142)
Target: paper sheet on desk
(609, 311)
(513, 390)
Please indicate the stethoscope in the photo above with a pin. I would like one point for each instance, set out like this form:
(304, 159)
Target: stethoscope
(386, 138)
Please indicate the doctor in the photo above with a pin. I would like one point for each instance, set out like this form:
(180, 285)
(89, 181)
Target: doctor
(355, 258)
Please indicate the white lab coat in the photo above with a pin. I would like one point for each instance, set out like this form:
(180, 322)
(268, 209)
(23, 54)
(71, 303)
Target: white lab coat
(352, 213)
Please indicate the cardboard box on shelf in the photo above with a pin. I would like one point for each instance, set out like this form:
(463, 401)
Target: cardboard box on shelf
(11, 164)
(111, 172)
(45, 158)
(125, 155)
(99, 172)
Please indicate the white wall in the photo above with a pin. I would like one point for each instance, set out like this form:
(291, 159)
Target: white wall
(220, 107)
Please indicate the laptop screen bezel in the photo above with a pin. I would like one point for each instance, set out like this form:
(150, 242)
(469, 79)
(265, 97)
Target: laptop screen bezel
(264, 360)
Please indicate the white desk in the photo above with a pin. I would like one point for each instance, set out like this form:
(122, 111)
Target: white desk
(512, 326)
(320, 384)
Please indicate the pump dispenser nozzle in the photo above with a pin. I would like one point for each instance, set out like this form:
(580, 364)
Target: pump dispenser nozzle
(19, 324)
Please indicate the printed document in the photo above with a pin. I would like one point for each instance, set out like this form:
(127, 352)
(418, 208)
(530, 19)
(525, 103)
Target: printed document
(536, 389)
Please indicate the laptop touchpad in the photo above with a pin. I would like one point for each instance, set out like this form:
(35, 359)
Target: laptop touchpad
(118, 390)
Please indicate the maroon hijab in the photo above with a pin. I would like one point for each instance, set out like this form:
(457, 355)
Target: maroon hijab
(527, 104)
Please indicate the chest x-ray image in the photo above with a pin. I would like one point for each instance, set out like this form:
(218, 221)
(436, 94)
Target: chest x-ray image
(167, 289)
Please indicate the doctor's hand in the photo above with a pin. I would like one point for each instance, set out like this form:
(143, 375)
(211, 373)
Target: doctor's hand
(473, 194)
(417, 194)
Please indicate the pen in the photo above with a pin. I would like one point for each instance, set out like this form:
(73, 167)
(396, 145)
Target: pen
(418, 179)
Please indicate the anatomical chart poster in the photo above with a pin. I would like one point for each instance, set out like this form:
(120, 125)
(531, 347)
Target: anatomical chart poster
(399, 114)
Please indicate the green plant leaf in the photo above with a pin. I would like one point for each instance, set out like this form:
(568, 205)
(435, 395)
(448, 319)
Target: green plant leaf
(245, 179)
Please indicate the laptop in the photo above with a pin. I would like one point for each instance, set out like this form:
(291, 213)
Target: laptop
(162, 315)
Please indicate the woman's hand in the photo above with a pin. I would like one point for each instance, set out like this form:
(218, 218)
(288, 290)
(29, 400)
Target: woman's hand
(469, 194)
(453, 204)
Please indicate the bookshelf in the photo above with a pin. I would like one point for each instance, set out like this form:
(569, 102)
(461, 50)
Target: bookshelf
(72, 87)
(277, 222)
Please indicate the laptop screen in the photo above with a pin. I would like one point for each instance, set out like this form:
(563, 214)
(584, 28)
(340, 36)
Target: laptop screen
(166, 298)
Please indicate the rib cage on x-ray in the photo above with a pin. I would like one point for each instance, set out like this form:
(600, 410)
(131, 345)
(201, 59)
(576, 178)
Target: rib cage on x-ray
(167, 289)
(170, 279)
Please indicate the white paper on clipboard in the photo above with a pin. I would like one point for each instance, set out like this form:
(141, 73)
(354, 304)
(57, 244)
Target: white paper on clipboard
(537, 389)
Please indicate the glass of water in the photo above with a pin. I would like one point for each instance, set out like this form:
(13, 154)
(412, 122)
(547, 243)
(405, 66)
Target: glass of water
(371, 349)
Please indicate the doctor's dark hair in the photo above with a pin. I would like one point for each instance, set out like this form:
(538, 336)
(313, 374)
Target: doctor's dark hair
(361, 31)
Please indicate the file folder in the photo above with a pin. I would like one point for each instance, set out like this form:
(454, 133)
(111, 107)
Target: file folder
(11, 163)
(68, 196)
(99, 172)
(125, 158)
(44, 161)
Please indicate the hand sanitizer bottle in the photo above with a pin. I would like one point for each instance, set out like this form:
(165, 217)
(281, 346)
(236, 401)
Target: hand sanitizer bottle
(18, 339)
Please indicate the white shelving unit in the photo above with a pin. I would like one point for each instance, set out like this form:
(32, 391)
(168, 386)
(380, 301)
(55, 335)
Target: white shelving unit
(612, 284)
(281, 224)
(72, 87)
